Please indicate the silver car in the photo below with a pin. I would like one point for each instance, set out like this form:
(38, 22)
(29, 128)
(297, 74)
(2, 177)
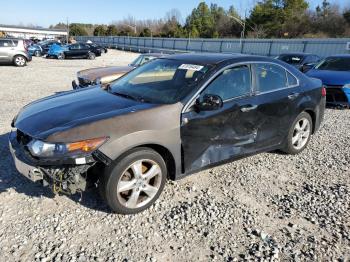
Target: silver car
(14, 51)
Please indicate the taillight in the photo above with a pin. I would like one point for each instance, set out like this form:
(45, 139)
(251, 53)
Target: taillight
(25, 45)
(324, 91)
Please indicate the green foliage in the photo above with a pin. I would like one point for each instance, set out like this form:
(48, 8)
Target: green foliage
(112, 30)
(146, 32)
(100, 30)
(201, 22)
(346, 16)
(77, 30)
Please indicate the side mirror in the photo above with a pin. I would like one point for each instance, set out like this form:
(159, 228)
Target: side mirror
(209, 103)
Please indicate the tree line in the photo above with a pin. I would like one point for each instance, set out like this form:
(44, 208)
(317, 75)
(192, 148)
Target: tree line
(267, 19)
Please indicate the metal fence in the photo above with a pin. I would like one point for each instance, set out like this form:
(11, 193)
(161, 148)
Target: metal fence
(266, 47)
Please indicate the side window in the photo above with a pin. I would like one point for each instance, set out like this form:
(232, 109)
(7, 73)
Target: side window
(74, 46)
(270, 77)
(14, 42)
(292, 81)
(5, 43)
(231, 83)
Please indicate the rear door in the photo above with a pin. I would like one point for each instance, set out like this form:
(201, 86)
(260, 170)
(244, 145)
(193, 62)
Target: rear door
(73, 51)
(277, 94)
(6, 50)
(84, 50)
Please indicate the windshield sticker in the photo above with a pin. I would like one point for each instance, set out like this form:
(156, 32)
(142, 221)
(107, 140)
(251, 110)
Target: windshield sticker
(191, 67)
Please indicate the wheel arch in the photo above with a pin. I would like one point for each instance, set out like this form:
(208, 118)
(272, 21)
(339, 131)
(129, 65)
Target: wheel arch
(162, 151)
(312, 113)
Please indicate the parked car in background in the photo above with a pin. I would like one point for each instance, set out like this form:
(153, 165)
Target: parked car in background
(45, 45)
(334, 71)
(35, 50)
(15, 51)
(301, 61)
(57, 51)
(103, 49)
(81, 50)
(164, 120)
(105, 75)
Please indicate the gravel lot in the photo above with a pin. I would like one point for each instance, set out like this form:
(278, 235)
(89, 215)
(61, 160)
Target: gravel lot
(270, 207)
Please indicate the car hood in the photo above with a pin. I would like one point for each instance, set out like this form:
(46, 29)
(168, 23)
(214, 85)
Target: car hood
(93, 73)
(60, 112)
(335, 78)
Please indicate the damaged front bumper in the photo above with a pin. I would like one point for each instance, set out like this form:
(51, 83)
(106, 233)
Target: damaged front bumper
(69, 175)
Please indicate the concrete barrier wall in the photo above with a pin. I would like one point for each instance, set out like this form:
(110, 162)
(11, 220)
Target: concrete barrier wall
(265, 47)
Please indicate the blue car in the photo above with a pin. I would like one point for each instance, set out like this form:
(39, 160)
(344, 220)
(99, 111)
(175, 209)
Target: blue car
(57, 51)
(35, 50)
(334, 71)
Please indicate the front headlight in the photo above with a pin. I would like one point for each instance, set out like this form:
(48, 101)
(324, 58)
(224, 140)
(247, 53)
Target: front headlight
(42, 149)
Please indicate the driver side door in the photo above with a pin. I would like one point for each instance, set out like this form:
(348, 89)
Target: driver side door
(211, 137)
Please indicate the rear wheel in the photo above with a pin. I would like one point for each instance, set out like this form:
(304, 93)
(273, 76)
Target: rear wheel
(299, 134)
(19, 60)
(91, 56)
(135, 182)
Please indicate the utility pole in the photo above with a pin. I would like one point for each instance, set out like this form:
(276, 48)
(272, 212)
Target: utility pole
(67, 36)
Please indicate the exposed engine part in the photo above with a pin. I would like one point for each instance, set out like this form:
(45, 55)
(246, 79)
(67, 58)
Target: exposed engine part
(67, 180)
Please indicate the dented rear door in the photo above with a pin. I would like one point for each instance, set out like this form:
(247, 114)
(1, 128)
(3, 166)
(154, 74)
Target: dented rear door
(214, 136)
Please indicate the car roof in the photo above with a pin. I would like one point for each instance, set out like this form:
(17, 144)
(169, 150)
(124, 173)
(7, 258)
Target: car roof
(297, 53)
(11, 38)
(205, 58)
(340, 56)
(154, 54)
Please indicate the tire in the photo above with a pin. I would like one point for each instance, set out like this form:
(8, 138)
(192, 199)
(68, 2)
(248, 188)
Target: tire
(129, 192)
(91, 56)
(19, 61)
(37, 53)
(299, 135)
(61, 56)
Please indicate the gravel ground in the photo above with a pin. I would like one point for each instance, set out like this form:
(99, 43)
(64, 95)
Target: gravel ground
(269, 207)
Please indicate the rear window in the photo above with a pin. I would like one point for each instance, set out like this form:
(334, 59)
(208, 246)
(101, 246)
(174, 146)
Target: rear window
(291, 59)
(335, 64)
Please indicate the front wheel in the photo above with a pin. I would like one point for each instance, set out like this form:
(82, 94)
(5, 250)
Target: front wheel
(61, 56)
(299, 134)
(135, 182)
(37, 53)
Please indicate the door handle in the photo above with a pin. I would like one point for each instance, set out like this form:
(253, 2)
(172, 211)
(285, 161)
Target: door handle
(248, 108)
(293, 96)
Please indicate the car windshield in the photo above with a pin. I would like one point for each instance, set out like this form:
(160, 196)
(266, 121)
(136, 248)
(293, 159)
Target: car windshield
(162, 81)
(291, 59)
(335, 64)
(137, 61)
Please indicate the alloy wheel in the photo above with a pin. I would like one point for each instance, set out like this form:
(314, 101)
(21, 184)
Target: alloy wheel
(139, 183)
(20, 61)
(301, 133)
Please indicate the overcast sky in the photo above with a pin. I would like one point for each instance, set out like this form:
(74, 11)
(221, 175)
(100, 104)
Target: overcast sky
(45, 13)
